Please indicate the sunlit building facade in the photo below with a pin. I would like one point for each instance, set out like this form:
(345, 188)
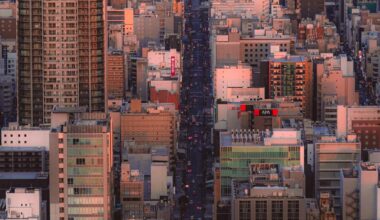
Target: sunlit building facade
(61, 57)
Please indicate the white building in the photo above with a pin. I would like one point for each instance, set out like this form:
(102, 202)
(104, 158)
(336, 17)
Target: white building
(346, 115)
(161, 59)
(239, 76)
(244, 94)
(25, 203)
(16, 136)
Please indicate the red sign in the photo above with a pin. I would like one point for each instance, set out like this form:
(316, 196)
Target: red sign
(172, 66)
(243, 108)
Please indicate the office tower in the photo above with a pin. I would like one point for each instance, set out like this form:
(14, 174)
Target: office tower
(81, 173)
(115, 75)
(25, 203)
(330, 155)
(291, 77)
(61, 57)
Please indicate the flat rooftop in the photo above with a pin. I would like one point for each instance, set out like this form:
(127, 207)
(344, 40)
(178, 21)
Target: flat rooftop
(23, 175)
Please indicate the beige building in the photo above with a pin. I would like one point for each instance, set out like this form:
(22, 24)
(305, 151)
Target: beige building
(331, 154)
(149, 125)
(230, 46)
(80, 173)
(331, 72)
(61, 57)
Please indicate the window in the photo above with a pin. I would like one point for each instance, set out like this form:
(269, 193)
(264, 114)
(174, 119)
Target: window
(245, 210)
(277, 210)
(61, 200)
(60, 170)
(261, 210)
(293, 210)
(70, 181)
(61, 210)
(61, 180)
(81, 161)
(60, 160)
(60, 150)
(61, 190)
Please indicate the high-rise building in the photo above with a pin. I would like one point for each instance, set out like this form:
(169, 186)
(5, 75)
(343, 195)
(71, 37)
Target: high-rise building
(61, 57)
(291, 76)
(81, 166)
(115, 75)
(330, 155)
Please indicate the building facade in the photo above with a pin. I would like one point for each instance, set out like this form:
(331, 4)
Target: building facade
(61, 57)
(81, 168)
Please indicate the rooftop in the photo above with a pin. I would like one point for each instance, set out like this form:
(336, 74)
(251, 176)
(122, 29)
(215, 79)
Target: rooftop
(23, 175)
(22, 149)
(247, 137)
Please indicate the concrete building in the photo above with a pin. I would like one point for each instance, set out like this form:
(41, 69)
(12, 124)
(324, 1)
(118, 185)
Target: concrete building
(81, 174)
(115, 75)
(258, 114)
(59, 70)
(23, 136)
(361, 197)
(151, 125)
(267, 197)
(332, 154)
(239, 148)
(363, 121)
(25, 203)
(231, 77)
(259, 8)
(328, 73)
(349, 194)
(24, 159)
(131, 192)
(291, 77)
(318, 33)
(231, 46)
(164, 91)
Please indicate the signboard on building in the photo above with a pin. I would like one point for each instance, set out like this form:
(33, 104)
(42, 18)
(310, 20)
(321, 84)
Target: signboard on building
(172, 66)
